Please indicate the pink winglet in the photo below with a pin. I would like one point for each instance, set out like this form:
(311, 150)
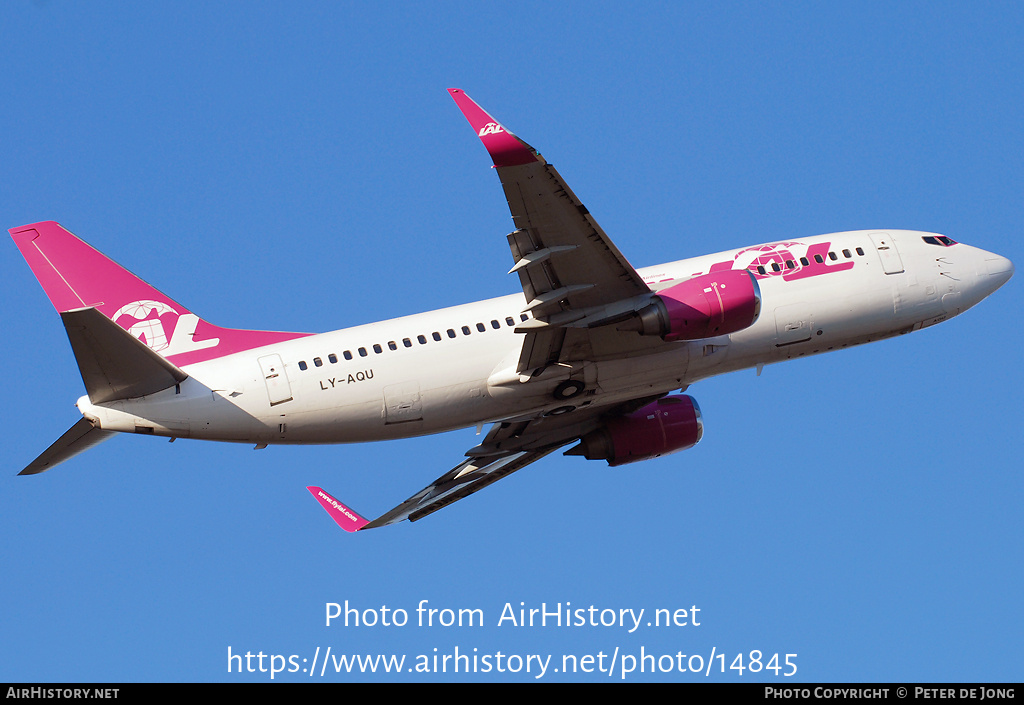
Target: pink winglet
(75, 275)
(505, 148)
(343, 516)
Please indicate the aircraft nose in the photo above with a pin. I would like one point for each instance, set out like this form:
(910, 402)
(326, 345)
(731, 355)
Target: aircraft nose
(994, 270)
(981, 274)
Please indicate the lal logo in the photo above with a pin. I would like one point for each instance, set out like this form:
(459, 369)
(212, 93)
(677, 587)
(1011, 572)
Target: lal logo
(161, 327)
(491, 128)
(781, 259)
(145, 320)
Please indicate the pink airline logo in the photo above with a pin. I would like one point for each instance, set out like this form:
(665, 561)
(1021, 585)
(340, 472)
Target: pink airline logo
(161, 327)
(491, 128)
(75, 275)
(789, 260)
(504, 148)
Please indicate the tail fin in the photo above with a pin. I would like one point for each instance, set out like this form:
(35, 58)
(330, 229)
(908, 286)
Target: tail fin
(76, 276)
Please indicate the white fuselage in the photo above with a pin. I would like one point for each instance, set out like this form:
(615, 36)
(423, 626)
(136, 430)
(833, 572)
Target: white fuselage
(455, 367)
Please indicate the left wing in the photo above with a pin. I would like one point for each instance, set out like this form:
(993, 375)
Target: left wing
(464, 479)
(573, 276)
(509, 446)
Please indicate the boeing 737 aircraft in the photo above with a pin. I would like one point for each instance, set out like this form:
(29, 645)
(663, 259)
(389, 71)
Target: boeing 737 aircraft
(592, 352)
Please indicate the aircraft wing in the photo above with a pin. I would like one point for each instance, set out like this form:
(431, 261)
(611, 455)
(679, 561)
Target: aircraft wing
(573, 276)
(509, 446)
(464, 479)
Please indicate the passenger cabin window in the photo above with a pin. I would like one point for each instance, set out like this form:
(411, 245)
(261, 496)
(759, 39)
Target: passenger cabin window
(302, 364)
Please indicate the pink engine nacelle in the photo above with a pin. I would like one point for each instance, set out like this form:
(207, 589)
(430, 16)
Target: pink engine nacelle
(717, 303)
(671, 424)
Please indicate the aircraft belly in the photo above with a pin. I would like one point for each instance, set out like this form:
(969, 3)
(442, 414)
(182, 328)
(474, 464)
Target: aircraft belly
(666, 370)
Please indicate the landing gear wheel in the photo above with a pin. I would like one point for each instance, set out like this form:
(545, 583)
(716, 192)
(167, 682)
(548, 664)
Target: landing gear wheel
(569, 389)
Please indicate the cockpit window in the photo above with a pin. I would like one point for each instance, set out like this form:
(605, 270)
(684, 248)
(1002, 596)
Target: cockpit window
(940, 240)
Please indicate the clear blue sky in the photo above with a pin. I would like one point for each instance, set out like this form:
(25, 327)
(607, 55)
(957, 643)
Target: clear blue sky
(300, 166)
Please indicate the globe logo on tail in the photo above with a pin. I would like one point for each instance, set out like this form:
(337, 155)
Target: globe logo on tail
(146, 322)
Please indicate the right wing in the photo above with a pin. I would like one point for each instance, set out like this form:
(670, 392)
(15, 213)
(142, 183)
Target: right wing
(573, 276)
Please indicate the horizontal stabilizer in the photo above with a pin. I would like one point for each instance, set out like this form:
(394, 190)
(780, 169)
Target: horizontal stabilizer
(114, 363)
(80, 437)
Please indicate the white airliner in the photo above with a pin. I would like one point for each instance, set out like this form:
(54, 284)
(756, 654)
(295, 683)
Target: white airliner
(592, 351)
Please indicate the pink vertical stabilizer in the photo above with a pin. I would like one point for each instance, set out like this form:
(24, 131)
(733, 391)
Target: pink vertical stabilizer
(75, 276)
(344, 516)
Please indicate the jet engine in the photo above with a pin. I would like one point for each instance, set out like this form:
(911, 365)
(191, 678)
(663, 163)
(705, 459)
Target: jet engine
(717, 303)
(671, 424)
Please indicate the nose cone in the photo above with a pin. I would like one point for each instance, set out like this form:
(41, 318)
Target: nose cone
(997, 268)
(990, 272)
